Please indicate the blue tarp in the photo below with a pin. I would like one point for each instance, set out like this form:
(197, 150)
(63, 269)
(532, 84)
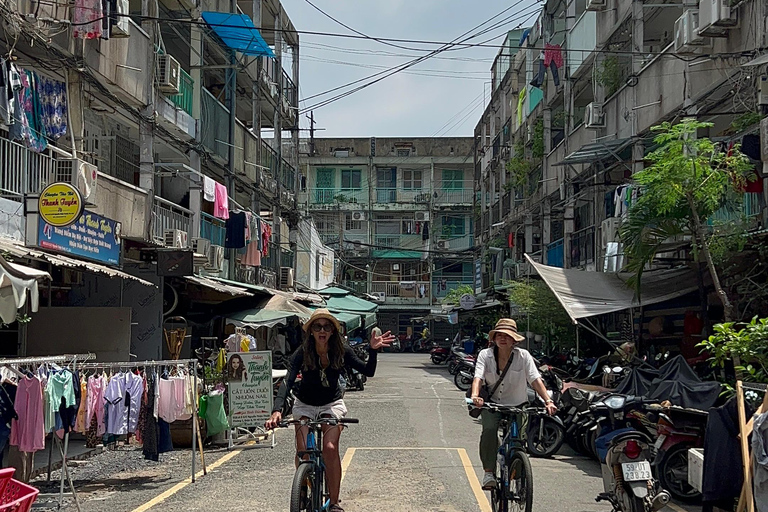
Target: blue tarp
(238, 32)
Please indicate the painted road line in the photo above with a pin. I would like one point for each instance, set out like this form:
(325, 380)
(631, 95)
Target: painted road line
(346, 461)
(480, 496)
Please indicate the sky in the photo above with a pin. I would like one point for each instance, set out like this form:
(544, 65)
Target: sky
(442, 96)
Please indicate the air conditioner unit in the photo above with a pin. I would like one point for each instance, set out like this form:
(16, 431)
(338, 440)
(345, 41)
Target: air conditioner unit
(687, 38)
(201, 246)
(421, 216)
(716, 18)
(395, 267)
(609, 231)
(596, 5)
(593, 116)
(79, 173)
(175, 238)
(443, 244)
(168, 74)
(359, 216)
(286, 277)
(379, 296)
(215, 258)
(272, 185)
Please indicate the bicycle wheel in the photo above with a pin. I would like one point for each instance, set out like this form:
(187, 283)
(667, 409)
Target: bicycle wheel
(303, 488)
(520, 489)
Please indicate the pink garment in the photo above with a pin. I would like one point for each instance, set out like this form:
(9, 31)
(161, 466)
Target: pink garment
(95, 403)
(180, 396)
(552, 52)
(221, 202)
(87, 19)
(266, 233)
(248, 216)
(166, 408)
(27, 432)
(252, 255)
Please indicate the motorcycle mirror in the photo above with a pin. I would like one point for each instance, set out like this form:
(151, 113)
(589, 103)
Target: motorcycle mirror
(606, 369)
(618, 369)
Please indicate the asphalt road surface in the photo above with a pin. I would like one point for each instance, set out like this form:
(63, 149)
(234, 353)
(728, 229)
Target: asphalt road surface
(415, 449)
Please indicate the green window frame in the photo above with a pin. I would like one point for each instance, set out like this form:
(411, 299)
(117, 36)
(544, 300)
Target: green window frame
(453, 179)
(351, 179)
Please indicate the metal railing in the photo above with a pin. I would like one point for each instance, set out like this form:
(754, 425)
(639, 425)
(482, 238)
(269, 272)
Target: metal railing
(465, 195)
(750, 207)
(407, 242)
(583, 247)
(442, 285)
(184, 99)
(214, 125)
(385, 195)
(213, 229)
(357, 286)
(168, 215)
(23, 170)
(402, 289)
(332, 195)
(555, 254)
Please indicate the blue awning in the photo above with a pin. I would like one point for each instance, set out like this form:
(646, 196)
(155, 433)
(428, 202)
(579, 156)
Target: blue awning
(238, 32)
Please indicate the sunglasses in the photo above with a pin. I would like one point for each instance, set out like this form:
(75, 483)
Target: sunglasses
(316, 327)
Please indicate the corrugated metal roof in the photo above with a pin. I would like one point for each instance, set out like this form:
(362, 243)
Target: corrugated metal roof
(596, 151)
(217, 286)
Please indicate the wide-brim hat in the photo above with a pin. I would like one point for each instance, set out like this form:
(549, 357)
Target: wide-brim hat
(322, 313)
(507, 326)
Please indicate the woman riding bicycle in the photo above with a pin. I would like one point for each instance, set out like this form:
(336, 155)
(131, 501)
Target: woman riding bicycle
(321, 359)
(511, 391)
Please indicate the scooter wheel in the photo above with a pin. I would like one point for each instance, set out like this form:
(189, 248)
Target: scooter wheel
(544, 440)
(436, 359)
(673, 474)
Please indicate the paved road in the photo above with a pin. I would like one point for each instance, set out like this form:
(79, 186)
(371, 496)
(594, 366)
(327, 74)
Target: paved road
(414, 450)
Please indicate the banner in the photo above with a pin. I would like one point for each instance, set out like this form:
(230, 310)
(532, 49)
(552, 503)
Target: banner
(91, 237)
(249, 376)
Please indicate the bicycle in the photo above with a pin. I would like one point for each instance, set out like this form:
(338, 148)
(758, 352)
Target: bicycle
(514, 476)
(309, 492)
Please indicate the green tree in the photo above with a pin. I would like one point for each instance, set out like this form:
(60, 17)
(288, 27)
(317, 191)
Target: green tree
(453, 296)
(688, 180)
(539, 306)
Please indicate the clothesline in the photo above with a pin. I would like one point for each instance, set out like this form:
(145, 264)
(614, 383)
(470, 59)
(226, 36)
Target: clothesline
(48, 359)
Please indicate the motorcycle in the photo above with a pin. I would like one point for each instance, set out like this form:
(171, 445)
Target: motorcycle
(679, 430)
(546, 433)
(625, 459)
(440, 354)
(465, 373)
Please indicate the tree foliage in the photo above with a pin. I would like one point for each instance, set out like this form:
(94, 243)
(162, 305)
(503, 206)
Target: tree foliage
(688, 180)
(453, 296)
(748, 344)
(536, 303)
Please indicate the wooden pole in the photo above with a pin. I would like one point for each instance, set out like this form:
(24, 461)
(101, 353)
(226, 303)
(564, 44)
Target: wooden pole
(745, 456)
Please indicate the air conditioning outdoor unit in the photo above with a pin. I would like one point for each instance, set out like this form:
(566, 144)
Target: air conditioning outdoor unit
(596, 5)
(358, 216)
(215, 258)
(79, 173)
(716, 18)
(421, 216)
(272, 185)
(593, 116)
(395, 267)
(443, 244)
(175, 238)
(286, 277)
(609, 231)
(687, 38)
(379, 296)
(168, 74)
(201, 246)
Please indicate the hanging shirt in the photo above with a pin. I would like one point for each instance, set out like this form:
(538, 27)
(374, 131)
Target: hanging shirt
(209, 189)
(221, 202)
(53, 104)
(80, 425)
(123, 395)
(248, 217)
(266, 236)
(60, 396)
(95, 402)
(259, 231)
(27, 430)
(87, 19)
(6, 94)
(235, 231)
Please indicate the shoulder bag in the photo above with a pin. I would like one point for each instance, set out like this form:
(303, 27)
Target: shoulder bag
(484, 393)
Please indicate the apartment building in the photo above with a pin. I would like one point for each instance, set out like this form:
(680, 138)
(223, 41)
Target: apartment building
(398, 212)
(158, 101)
(574, 98)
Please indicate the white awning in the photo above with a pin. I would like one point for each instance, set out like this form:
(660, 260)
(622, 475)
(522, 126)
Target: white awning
(17, 283)
(584, 294)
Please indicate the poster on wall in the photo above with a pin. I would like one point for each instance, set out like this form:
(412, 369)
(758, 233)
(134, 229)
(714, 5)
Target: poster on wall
(249, 377)
(91, 237)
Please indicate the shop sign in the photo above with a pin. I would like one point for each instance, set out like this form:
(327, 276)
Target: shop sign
(60, 204)
(467, 301)
(249, 376)
(92, 237)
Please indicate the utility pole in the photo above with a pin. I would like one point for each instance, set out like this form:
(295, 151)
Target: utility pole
(311, 118)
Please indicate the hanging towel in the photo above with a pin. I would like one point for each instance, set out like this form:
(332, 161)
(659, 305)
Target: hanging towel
(87, 19)
(209, 189)
(520, 103)
(259, 231)
(235, 231)
(53, 103)
(221, 203)
(248, 218)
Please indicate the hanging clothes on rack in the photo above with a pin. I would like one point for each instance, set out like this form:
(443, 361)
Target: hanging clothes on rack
(27, 432)
(266, 237)
(123, 399)
(27, 126)
(209, 189)
(235, 231)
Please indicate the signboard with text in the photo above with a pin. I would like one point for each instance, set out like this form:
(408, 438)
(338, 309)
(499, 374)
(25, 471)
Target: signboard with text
(60, 204)
(92, 237)
(249, 376)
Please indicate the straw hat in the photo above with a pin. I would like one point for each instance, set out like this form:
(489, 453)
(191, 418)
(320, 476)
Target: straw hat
(322, 313)
(507, 326)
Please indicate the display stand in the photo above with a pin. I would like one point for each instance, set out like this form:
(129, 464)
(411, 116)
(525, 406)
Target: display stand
(747, 500)
(63, 446)
(247, 416)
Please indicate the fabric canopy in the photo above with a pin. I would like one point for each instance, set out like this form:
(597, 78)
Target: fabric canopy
(259, 317)
(339, 301)
(584, 294)
(17, 283)
(351, 320)
(238, 33)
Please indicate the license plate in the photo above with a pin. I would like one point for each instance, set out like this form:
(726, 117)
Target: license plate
(660, 441)
(636, 471)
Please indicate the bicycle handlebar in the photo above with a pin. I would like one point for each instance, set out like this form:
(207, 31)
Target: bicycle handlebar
(496, 407)
(321, 421)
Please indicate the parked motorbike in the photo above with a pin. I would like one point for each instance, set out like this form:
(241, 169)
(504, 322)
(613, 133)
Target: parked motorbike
(625, 457)
(440, 353)
(679, 430)
(465, 373)
(546, 433)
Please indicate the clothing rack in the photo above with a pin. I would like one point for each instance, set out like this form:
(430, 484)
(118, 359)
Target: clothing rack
(65, 358)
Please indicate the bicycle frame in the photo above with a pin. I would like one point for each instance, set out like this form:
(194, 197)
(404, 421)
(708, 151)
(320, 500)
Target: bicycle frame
(314, 454)
(510, 443)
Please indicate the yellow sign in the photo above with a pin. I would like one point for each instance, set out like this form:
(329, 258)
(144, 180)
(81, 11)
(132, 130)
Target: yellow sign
(60, 204)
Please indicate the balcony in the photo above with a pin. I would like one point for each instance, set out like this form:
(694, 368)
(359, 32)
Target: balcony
(583, 36)
(442, 285)
(168, 215)
(23, 171)
(357, 286)
(402, 292)
(460, 193)
(338, 196)
(184, 99)
(750, 212)
(583, 247)
(213, 229)
(555, 254)
(214, 126)
(407, 242)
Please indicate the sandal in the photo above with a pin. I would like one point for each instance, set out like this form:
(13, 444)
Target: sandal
(335, 508)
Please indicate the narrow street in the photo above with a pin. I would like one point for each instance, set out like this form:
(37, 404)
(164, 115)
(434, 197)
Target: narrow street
(415, 449)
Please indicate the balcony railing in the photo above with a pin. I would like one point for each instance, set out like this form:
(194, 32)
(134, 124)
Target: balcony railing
(333, 195)
(213, 229)
(583, 247)
(750, 207)
(442, 285)
(23, 171)
(419, 291)
(386, 195)
(407, 242)
(452, 194)
(183, 100)
(555, 254)
(168, 215)
(357, 286)
(214, 125)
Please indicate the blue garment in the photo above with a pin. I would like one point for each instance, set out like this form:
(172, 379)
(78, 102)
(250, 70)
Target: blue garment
(164, 441)
(53, 106)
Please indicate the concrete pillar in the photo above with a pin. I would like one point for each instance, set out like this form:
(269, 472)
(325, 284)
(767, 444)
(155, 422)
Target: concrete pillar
(75, 101)
(295, 134)
(195, 187)
(568, 228)
(528, 234)
(146, 130)
(546, 228)
(638, 153)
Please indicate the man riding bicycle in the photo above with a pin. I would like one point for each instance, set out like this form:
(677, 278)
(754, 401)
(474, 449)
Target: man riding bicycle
(512, 390)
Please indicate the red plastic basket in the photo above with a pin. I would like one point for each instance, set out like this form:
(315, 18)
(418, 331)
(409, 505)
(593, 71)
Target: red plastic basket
(15, 496)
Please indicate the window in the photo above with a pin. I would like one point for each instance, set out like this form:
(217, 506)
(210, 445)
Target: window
(453, 179)
(325, 185)
(453, 226)
(352, 225)
(350, 179)
(412, 180)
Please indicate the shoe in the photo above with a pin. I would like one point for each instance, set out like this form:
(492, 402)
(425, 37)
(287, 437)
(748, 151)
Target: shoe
(335, 508)
(489, 481)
